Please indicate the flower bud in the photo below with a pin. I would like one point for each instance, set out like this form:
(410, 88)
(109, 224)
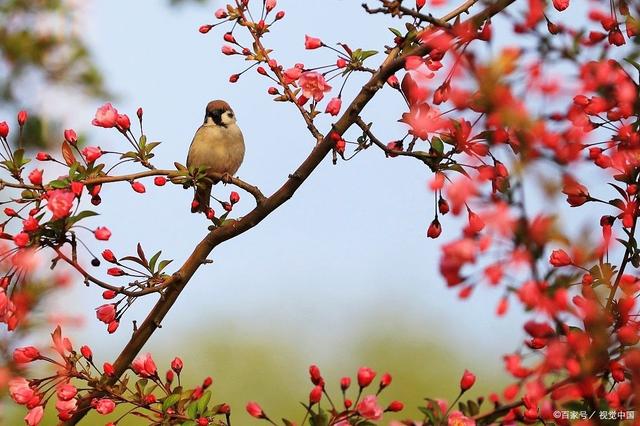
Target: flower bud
(365, 376)
(22, 117)
(467, 380)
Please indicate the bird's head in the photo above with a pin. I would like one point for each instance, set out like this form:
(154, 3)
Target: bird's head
(219, 113)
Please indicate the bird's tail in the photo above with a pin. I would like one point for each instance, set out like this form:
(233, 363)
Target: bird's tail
(201, 200)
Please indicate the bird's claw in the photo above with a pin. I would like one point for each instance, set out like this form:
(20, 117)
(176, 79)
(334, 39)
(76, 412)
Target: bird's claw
(227, 178)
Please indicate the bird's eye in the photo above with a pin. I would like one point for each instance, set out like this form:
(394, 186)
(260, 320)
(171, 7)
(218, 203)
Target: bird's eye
(230, 114)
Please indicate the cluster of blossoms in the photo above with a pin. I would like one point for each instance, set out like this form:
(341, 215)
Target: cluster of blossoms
(158, 399)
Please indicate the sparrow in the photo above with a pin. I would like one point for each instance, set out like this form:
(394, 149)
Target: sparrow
(217, 146)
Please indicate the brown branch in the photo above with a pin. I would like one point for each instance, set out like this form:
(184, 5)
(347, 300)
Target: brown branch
(395, 8)
(179, 280)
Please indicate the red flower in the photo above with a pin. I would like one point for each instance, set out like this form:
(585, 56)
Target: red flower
(109, 256)
(333, 107)
(345, 382)
(26, 354)
(255, 410)
(435, 229)
(108, 369)
(560, 258)
(369, 408)
(34, 416)
(102, 233)
(21, 239)
(92, 153)
(4, 129)
(177, 365)
(467, 380)
(395, 406)
(35, 177)
(123, 122)
(365, 376)
(315, 395)
(385, 381)
(138, 187)
(30, 224)
(60, 201)
(22, 117)
(577, 194)
(106, 116)
(234, 197)
(312, 42)
(86, 352)
(115, 272)
(106, 313)
(144, 366)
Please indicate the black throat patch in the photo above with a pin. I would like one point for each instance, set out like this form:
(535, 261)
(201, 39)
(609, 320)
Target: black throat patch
(216, 116)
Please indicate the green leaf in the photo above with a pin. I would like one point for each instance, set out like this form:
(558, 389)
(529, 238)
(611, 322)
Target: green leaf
(203, 402)
(192, 411)
(154, 259)
(437, 145)
(163, 265)
(82, 215)
(58, 184)
(367, 54)
(395, 32)
(170, 401)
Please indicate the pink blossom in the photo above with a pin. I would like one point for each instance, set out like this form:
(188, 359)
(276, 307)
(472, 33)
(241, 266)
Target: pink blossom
(369, 408)
(144, 366)
(103, 406)
(561, 4)
(106, 313)
(270, 5)
(60, 201)
(26, 354)
(102, 233)
(35, 177)
(66, 392)
(20, 391)
(292, 74)
(92, 153)
(34, 416)
(254, 410)
(106, 116)
(458, 419)
(313, 85)
(333, 107)
(66, 408)
(123, 122)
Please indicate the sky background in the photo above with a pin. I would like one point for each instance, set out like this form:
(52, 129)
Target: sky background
(345, 261)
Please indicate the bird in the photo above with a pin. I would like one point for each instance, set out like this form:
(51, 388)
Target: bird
(217, 146)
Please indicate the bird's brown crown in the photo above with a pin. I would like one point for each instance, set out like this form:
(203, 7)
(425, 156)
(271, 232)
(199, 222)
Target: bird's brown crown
(218, 105)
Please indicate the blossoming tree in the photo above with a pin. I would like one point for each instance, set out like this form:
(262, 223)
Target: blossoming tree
(474, 121)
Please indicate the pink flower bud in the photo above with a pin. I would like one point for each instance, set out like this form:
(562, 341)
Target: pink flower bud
(71, 136)
(280, 15)
(109, 294)
(467, 380)
(177, 365)
(312, 42)
(234, 78)
(221, 13)
(385, 381)
(115, 272)
(35, 177)
(109, 256)
(560, 258)
(270, 5)
(160, 180)
(435, 229)
(22, 117)
(255, 410)
(333, 107)
(395, 406)
(106, 313)
(234, 197)
(345, 382)
(205, 28)
(102, 233)
(315, 395)
(26, 354)
(108, 369)
(123, 122)
(138, 187)
(4, 129)
(365, 376)
(92, 153)
(86, 352)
